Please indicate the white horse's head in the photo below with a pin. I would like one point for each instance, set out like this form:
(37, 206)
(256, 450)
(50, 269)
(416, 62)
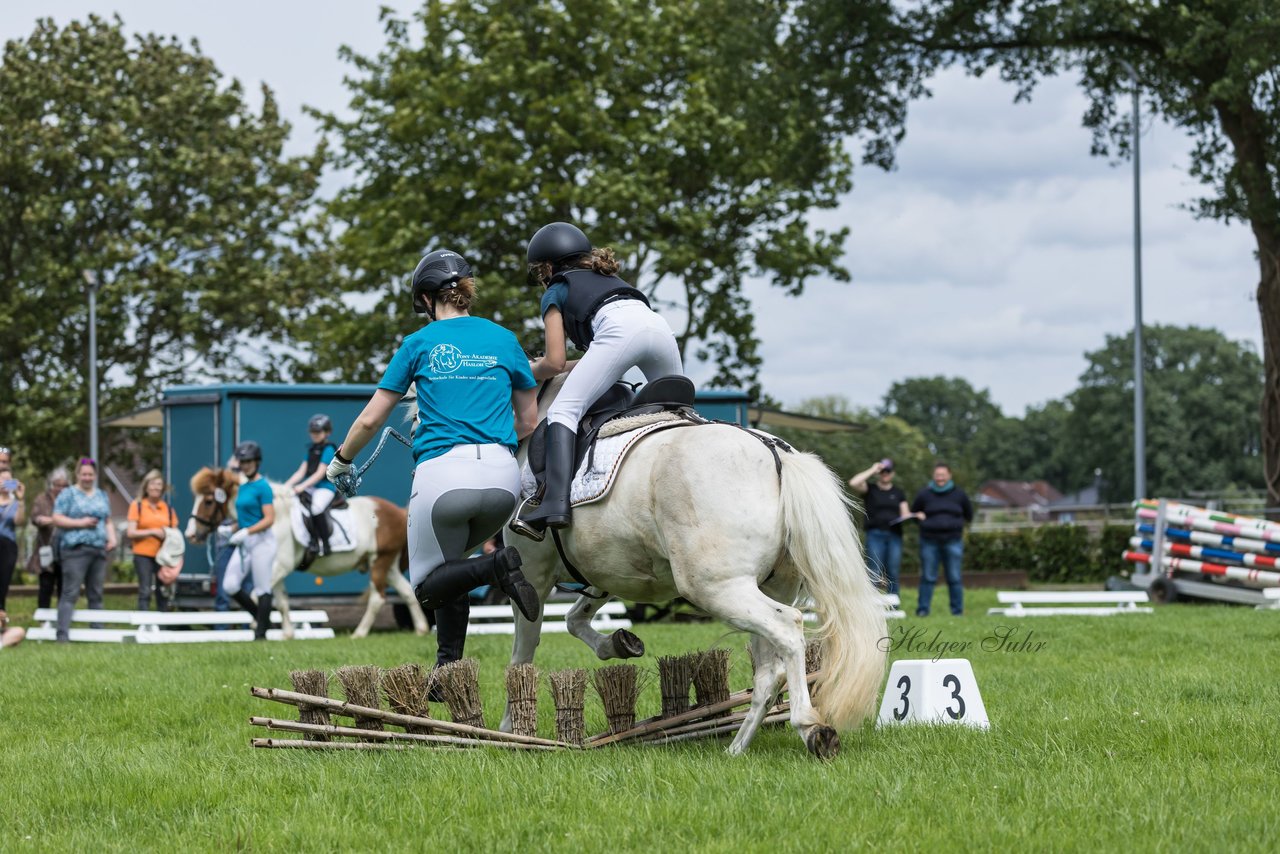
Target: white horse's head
(215, 495)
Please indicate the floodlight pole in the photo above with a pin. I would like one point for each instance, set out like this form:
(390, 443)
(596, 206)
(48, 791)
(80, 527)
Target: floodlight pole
(1139, 391)
(91, 281)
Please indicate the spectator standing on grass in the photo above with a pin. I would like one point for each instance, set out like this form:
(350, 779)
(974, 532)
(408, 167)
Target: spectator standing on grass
(84, 515)
(943, 509)
(149, 515)
(12, 515)
(45, 562)
(886, 505)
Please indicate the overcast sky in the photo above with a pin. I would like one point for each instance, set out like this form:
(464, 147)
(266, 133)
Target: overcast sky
(998, 251)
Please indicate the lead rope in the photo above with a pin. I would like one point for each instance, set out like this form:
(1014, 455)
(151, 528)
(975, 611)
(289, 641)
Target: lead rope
(348, 483)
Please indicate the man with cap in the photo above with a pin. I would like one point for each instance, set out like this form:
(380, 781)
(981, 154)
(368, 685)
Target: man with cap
(886, 506)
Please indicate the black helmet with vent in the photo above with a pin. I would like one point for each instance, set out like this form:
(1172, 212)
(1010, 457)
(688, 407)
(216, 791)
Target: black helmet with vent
(320, 424)
(250, 450)
(437, 271)
(556, 243)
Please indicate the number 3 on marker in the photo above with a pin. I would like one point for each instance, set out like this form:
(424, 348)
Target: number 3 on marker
(954, 684)
(905, 684)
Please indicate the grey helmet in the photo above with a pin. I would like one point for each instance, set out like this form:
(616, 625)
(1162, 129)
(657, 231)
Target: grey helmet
(250, 450)
(556, 243)
(437, 271)
(320, 424)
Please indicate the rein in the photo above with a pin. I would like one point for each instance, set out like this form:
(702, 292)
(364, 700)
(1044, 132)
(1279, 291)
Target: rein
(348, 483)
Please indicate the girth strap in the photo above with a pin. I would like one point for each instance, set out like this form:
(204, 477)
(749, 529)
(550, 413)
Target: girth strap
(573, 570)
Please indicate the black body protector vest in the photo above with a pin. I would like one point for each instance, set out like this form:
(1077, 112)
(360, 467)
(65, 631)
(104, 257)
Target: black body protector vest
(313, 456)
(587, 292)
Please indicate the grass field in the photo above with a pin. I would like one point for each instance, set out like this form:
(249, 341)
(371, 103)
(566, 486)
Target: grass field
(1142, 733)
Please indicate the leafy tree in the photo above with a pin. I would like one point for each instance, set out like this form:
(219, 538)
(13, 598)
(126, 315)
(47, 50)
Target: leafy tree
(882, 436)
(134, 160)
(687, 135)
(1201, 419)
(957, 419)
(1207, 67)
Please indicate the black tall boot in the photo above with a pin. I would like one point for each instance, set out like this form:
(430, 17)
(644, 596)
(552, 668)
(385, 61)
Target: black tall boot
(554, 510)
(454, 578)
(451, 630)
(323, 528)
(244, 600)
(264, 616)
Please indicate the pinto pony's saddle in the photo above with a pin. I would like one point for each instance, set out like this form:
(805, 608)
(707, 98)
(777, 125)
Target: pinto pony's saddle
(665, 394)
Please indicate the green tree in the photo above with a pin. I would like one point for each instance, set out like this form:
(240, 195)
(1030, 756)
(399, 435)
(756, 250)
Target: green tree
(1202, 425)
(136, 161)
(687, 135)
(1207, 67)
(957, 419)
(848, 453)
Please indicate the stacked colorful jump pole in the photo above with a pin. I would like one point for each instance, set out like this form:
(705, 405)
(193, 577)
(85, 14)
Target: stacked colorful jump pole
(1191, 540)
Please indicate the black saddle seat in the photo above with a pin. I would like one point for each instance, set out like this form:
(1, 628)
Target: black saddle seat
(674, 390)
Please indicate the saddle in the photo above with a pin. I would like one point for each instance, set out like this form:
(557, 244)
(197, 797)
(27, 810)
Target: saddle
(665, 394)
(318, 526)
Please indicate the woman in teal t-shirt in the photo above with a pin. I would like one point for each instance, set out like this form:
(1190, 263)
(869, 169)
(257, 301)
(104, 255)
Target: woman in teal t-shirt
(253, 541)
(476, 400)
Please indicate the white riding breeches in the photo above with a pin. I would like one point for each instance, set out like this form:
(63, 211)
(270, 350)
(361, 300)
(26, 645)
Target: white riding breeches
(252, 557)
(459, 500)
(321, 499)
(628, 334)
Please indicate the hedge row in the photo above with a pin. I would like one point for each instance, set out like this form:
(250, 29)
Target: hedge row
(1049, 553)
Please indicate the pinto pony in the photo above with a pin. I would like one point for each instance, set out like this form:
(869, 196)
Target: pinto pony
(380, 536)
(709, 514)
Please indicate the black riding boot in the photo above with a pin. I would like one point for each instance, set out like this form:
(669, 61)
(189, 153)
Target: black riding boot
(244, 600)
(451, 630)
(323, 528)
(554, 510)
(454, 578)
(264, 617)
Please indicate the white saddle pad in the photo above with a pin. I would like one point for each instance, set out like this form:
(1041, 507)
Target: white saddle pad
(341, 538)
(595, 476)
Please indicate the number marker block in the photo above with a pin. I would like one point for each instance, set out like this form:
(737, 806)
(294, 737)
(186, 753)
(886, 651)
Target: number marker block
(933, 692)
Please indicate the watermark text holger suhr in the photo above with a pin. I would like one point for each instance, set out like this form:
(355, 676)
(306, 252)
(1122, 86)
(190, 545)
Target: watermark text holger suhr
(916, 640)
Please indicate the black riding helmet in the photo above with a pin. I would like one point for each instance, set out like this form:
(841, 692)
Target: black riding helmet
(556, 243)
(250, 450)
(437, 271)
(320, 424)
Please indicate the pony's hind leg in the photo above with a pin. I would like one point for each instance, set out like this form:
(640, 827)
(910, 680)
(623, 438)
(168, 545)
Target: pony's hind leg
(741, 604)
(620, 644)
(770, 674)
(401, 585)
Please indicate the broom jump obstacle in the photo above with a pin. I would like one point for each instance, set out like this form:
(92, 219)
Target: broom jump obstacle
(407, 690)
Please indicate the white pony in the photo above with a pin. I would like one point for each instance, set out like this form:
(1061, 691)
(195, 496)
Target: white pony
(380, 537)
(703, 513)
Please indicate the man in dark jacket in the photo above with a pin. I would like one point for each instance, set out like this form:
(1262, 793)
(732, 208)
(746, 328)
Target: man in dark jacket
(943, 509)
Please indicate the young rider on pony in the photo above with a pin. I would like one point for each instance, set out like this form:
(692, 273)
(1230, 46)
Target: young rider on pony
(311, 475)
(612, 323)
(253, 542)
(476, 399)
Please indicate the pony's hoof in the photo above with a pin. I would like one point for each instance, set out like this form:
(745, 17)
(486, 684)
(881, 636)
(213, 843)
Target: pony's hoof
(822, 741)
(626, 645)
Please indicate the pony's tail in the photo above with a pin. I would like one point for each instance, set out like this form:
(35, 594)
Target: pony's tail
(823, 545)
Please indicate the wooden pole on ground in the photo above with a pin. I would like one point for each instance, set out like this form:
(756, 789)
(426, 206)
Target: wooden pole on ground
(391, 735)
(292, 698)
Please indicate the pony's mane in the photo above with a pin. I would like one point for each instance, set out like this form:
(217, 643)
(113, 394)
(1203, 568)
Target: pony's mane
(205, 480)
